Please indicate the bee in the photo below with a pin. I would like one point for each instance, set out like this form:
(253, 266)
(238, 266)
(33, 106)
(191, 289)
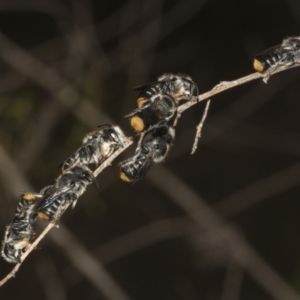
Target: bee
(286, 54)
(180, 87)
(67, 189)
(160, 99)
(19, 233)
(162, 107)
(97, 146)
(154, 148)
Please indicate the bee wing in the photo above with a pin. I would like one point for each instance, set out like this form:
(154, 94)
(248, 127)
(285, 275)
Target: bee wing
(104, 126)
(146, 85)
(145, 168)
(196, 89)
(270, 50)
(139, 109)
(146, 164)
(49, 199)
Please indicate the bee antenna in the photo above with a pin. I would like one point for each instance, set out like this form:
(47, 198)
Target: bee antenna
(196, 88)
(95, 178)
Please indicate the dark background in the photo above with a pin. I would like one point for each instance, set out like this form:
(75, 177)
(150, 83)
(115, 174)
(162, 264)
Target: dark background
(221, 224)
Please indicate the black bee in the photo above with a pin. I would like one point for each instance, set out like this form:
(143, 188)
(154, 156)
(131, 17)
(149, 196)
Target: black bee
(286, 54)
(97, 146)
(162, 107)
(19, 233)
(180, 87)
(160, 99)
(67, 189)
(154, 148)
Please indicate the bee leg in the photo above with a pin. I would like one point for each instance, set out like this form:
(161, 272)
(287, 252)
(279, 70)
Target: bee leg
(74, 203)
(197, 91)
(176, 119)
(75, 163)
(137, 110)
(141, 138)
(134, 112)
(268, 73)
(96, 159)
(171, 116)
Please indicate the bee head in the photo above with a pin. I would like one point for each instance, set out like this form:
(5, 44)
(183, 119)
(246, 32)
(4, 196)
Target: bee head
(13, 250)
(10, 254)
(116, 136)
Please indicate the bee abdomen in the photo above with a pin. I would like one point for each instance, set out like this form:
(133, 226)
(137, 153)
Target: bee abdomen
(266, 61)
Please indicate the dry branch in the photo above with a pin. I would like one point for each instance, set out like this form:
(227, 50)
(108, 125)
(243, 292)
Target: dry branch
(223, 86)
(199, 128)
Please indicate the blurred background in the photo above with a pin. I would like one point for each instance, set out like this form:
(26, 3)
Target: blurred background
(220, 224)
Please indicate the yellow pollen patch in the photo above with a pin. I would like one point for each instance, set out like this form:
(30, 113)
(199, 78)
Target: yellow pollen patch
(43, 217)
(124, 177)
(137, 123)
(258, 65)
(140, 101)
(29, 197)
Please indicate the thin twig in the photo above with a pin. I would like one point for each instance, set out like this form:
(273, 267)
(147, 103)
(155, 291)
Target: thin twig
(225, 85)
(199, 128)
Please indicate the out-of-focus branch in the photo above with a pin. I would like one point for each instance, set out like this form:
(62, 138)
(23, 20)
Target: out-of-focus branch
(55, 8)
(145, 236)
(88, 265)
(51, 81)
(233, 281)
(47, 118)
(261, 189)
(205, 217)
(54, 288)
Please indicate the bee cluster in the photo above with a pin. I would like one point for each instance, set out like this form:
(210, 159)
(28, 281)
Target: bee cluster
(52, 200)
(153, 120)
(157, 108)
